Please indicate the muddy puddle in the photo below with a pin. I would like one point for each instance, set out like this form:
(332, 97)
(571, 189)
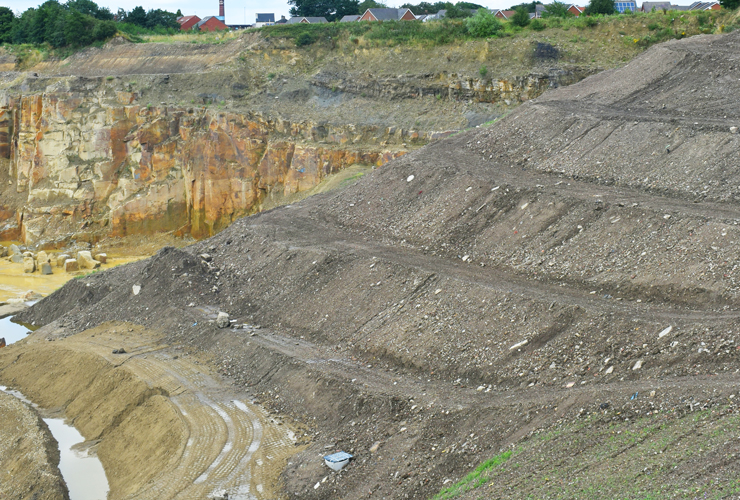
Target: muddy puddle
(14, 283)
(82, 471)
(13, 332)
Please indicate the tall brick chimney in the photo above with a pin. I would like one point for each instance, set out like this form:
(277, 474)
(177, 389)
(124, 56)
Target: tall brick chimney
(221, 8)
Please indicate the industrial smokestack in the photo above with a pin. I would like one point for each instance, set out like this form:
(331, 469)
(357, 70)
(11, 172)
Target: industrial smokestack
(221, 9)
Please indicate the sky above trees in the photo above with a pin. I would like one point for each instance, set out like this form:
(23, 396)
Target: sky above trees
(236, 10)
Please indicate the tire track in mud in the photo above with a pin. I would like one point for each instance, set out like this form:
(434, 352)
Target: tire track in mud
(225, 435)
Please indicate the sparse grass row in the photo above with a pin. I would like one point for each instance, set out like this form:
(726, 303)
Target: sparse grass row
(660, 27)
(615, 454)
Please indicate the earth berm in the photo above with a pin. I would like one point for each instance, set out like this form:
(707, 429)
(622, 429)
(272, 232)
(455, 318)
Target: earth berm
(562, 285)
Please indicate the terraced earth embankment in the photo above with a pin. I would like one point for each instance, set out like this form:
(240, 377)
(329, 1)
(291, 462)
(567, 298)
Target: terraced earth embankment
(560, 274)
(161, 423)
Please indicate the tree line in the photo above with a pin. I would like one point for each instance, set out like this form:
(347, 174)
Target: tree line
(78, 23)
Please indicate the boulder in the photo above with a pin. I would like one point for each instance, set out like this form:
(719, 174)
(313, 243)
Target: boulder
(42, 257)
(222, 321)
(3, 251)
(62, 259)
(85, 260)
(29, 265)
(13, 249)
(71, 265)
(27, 254)
(46, 268)
(101, 257)
(16, 258)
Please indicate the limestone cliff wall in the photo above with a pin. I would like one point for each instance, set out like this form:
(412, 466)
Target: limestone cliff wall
(86, 165)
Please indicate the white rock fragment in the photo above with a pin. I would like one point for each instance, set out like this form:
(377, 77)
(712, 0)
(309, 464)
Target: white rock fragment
(609, 370)
(518, 344)
(136, 289)
(638, 365)
(733, 130)
(410, 178)
(665, 332)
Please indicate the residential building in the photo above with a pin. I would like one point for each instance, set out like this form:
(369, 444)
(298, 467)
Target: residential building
(349, 19)
(307, 20)
(624, 5)
(264, 20)
(388, 15)
(576, 10)
(504, 14)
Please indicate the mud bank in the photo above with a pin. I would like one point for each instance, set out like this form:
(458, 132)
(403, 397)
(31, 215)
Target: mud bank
(160, 422)
(29, 456)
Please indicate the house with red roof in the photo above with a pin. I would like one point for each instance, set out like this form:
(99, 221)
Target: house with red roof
(187, 22)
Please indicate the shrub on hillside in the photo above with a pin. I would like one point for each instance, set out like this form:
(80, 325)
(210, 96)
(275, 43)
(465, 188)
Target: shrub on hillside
(520, 17)
(483, 24)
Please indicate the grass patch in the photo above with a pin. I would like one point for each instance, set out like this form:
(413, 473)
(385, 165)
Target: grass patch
(475, 479)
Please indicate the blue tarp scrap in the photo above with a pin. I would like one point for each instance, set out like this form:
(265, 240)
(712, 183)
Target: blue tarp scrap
(338, 457)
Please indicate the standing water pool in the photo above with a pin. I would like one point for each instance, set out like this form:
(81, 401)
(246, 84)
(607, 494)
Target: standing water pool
(82, 472)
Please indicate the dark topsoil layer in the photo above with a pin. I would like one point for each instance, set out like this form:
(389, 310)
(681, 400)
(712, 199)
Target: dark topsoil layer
(482, 289)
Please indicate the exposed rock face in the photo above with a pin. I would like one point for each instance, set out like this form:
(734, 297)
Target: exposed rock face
(92, 163)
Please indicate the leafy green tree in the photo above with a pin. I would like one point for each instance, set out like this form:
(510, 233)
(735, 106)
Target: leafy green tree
(729, 4)
(159, 17)
(90, 8)
(529, 7)
(6, 24)
(21, 31)
(469, 5)
(78, 29)
(330, 9)
(455, 12)
(557, 9)
(137, 16)
(600, 7)
(520, 17)
(104, 30)
(483, 24)
(372, 4)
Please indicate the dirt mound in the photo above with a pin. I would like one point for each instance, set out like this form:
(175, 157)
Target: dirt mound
(28, 454)
(456, 301)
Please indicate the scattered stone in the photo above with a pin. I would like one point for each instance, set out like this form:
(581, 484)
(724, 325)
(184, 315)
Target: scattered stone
(604, 406)
(16, 258)
(206, 257)
(136, 289)
(638, 365)
(27, 254)
(101, 257)
(86, 261)
(220, 495)
(222, 321)
(375, 447)
(609, 370)
(2, 342)
(665, 332)
(733, 130)
(46, 268)
(31, 295)
(13, 249)
(29, 265)
(3, 251)
(71, 265)
(42, 257)
(410, 178)
(119, 351)
(61, 259)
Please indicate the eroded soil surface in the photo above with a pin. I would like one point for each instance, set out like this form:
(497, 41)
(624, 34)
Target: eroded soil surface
(570, 270)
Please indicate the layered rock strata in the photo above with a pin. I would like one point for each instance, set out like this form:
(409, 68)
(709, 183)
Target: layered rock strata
(89, 164)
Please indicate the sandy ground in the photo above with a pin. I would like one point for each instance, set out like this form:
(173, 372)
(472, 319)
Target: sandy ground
(162, 423)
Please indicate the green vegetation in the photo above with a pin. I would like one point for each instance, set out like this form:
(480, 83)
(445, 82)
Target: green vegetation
(637, 29)
(475, 479)
(520, 17)
(618, 454)
(77, 23)
(605, 7)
